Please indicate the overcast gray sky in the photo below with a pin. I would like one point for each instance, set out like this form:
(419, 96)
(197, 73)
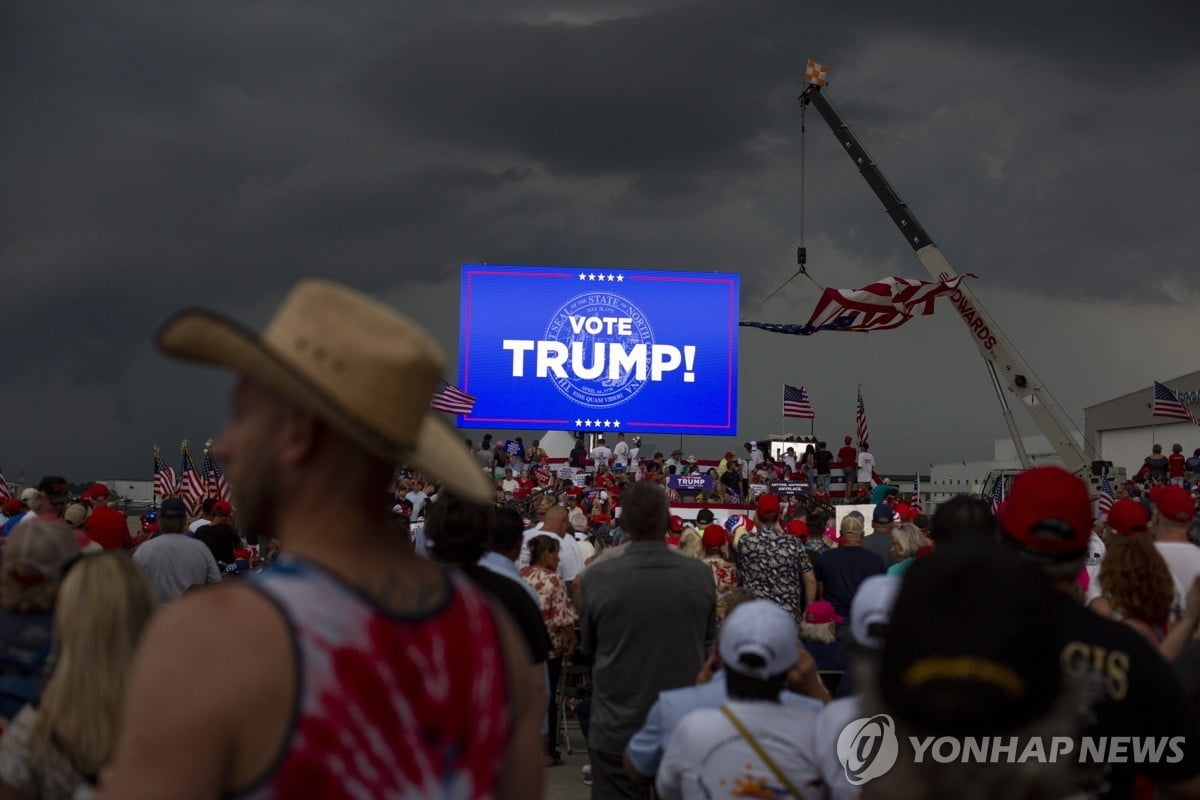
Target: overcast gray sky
(158, 155)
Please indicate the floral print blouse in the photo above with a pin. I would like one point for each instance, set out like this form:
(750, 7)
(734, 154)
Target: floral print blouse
(557, 612)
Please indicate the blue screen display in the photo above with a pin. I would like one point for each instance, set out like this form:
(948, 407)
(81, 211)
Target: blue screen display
(564, 348)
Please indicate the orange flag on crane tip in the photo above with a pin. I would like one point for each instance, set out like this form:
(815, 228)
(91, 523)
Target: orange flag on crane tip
(816, 74)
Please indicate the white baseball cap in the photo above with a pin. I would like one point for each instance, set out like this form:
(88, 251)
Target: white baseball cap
(763, 629)
(872, 606)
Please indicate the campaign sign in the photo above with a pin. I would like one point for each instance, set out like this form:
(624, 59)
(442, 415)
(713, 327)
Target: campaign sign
(601, 349)
(690, 483)
(789, 487)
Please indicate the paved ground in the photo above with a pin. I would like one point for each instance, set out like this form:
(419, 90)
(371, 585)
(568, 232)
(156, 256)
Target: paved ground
(566, 782)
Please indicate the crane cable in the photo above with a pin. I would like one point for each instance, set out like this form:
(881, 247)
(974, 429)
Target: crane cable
(802, 252)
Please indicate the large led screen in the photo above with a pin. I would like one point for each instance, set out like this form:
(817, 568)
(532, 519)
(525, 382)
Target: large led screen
(564, 348)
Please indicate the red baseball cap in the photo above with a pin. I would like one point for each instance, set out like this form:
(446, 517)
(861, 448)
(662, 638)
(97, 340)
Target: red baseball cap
(676, 524)
(714, 536)
(1174, 503)
(848, 440)
(1128, 517)
(96, 490)
(768, 506)
(798, 528)
(222, 507)
(728, 454)
(1048, 510)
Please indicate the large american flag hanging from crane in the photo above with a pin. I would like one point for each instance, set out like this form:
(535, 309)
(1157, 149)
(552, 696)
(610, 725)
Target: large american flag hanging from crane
(878, 306)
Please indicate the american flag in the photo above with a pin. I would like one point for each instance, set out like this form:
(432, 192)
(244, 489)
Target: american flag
(1167, 404)
(998, 494)
(1106, 499)
(916, 495)
(215, 485)
(452, 400)
(882, 305)
(191, 484)
(796, 404)
(5, 493)
(860, 416)
(164, 478)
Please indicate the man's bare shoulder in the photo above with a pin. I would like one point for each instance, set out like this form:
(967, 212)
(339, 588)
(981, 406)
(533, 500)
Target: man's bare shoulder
(201, 716)
(227, 610)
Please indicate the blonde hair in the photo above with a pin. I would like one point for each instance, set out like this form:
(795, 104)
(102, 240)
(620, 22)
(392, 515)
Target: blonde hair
(909, 538)
(103, 605)
(824, 632)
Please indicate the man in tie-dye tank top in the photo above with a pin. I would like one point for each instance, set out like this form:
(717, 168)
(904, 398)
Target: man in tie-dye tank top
(352, 669)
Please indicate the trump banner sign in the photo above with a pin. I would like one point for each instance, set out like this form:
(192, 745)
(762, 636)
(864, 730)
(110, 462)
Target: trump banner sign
(690, 483)
(599, 349)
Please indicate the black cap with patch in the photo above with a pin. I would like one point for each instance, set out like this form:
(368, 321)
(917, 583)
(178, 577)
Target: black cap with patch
(973, 645)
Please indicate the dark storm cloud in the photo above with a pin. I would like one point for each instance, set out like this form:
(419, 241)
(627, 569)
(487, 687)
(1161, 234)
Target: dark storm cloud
(161, 155)
(683, 88)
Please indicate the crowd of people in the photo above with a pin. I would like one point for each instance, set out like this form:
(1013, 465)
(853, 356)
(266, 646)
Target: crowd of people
(519, 472)
(413, 634)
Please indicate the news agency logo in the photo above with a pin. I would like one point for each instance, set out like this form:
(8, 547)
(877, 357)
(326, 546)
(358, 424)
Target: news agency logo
(868, 748)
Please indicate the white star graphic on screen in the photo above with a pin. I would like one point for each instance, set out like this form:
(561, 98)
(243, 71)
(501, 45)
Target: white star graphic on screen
(620, 278)
(591, 276)
(607, 424)
(587, 423)
(578, 423)
(616, 423)
(610, 277)
(583, 276)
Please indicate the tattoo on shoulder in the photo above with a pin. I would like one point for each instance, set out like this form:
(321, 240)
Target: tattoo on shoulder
(409, 594)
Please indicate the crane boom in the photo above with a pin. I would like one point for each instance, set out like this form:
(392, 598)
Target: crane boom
(1002, 359)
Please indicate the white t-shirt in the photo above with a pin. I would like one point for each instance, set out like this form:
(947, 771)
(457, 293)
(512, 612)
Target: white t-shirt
(866, 465)
(586, 548)
(706, 757)
(1183, 559)
(830, 722)
(198, 524)
(601, 455)
(509, 485)
(620, 453)
(418, 502)
(570, 560)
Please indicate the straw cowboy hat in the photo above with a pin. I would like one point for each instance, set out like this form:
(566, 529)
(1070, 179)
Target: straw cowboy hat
(364, 369)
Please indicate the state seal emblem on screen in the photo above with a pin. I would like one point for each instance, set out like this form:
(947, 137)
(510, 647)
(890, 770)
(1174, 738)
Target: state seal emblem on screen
(568, 348)
(600, 378)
